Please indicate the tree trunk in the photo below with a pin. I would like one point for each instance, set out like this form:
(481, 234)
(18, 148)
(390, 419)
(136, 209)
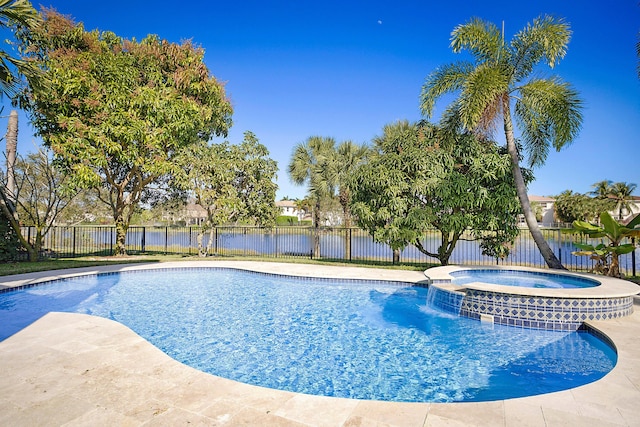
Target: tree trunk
(12, 147)
(121, 235)
(316, 231)
(201, 250)
(530, 218)
(346, 213)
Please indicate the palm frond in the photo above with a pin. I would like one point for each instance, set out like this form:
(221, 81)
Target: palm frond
(481, 38)
(18, 12)
(546, 38)
(480, 97)
(446, 79)
(548, 112)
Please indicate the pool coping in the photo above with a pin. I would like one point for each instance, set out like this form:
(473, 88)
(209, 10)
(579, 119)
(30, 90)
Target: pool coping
(609, 286)
(84, 370)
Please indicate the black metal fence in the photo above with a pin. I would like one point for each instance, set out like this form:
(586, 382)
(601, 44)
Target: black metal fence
(349, 244)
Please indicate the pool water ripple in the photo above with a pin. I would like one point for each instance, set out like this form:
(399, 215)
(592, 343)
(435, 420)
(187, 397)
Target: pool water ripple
(364, 340)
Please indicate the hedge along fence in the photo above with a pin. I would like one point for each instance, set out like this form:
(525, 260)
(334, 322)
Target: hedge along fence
(297, 242)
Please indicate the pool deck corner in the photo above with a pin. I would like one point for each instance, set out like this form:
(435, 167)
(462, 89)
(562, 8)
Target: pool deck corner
(75, 370)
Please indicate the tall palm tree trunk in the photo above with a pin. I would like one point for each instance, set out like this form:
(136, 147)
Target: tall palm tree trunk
(12, 148)
(316, 230)
(530, 218)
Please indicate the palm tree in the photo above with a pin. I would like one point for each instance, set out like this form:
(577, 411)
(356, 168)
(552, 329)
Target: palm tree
(601, 189)
(499, 83)
(311, 164)
(622, 194)
(347, 158)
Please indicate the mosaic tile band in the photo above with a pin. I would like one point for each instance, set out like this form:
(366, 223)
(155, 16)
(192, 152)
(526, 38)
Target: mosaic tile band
(560, 314)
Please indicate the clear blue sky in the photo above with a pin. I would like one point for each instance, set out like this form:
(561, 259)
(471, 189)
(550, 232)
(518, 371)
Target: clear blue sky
(344, 69)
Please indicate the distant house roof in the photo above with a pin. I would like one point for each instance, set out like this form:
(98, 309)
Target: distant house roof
(533, 198)
(195, 211)
(286, 204)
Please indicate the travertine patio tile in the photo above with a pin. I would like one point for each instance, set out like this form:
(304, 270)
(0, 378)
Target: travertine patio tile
(434, 420)
(179, 417)
(521, 413)
(478, 414)
(562, 401)
(222, 410)
(607, 412)
(317, 410)
(102, 417)
(148, 410)
(557, 418)
(392, 413)
(253, 417)
(257, 397)
(358, 421)
(53, 412)
(193, 395)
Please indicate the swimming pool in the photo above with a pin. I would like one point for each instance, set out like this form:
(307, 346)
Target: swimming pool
(345, 338)
(524, 279)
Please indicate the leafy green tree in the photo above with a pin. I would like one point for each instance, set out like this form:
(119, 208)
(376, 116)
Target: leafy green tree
(622, 193)
(10, 244)
(570, 206)
(423, 178)
(116, 112)
(501, 82)
(255, 175)
(231, 182)
(43, 192)
(312, 163)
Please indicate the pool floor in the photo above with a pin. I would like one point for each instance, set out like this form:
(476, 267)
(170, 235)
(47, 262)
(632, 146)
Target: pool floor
(79, 369)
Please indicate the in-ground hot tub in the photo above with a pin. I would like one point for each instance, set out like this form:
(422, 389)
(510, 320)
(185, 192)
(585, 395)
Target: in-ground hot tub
(528, 297)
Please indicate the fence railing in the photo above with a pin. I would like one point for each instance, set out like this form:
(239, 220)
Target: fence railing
(349, 244)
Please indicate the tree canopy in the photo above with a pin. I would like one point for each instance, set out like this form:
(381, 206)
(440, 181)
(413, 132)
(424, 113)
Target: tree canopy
(422, 177)
(231, 182)
(115, 112)
(570, 207)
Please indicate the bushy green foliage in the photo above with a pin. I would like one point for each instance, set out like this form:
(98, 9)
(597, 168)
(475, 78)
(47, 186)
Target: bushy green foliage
(570, 206)
(9, 243)
(233, 183)
(115, 112)
(423, 178)
(606, 253)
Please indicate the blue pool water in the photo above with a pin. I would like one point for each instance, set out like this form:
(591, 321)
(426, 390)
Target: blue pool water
(354, 339)
(523, 279)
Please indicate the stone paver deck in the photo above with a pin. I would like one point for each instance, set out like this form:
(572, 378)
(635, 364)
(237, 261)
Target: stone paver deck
(79, 370)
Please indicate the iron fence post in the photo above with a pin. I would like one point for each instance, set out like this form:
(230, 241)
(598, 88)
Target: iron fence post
(166, 239)
(350, 243)
(633, 257)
